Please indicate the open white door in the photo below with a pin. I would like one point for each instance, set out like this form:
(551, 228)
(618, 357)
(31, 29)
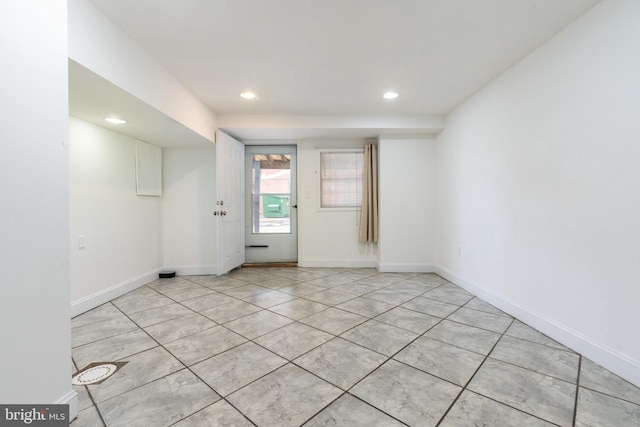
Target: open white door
(230, 203)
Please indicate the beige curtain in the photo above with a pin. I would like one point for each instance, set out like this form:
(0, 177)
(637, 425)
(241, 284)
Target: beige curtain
(369, 212)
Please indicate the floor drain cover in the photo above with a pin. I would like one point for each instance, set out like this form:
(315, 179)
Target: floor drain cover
(96, 373)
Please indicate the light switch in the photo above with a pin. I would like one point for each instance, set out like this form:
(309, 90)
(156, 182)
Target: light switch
(81, 241)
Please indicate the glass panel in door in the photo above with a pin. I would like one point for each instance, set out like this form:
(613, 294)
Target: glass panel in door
(271, 193)
(271, 205)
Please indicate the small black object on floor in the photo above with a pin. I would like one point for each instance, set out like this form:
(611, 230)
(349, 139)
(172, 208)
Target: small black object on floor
(167, 274)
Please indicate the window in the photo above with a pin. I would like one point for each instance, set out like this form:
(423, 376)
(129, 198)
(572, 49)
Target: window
(341, 179)
(271, 193)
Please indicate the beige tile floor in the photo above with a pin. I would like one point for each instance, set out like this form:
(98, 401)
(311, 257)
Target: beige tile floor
(332, 347)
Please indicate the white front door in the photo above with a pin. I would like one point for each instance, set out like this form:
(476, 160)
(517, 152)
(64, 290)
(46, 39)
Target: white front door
(229, 203)
(271, 232)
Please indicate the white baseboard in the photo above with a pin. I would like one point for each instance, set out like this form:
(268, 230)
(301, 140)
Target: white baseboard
(70, 399)
(393, 267)
(338, 263)
(606, 357)
(193, 270)
(105, 295)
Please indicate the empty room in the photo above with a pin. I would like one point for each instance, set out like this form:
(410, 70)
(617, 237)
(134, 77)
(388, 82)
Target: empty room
(320, 213)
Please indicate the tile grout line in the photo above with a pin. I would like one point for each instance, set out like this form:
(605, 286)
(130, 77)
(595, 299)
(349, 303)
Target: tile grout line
(334, 336)
(301, 367)
(398, 361)
(575, 405)
(252, 340)
(248, 339)
(185, 367)
(611, 395)
(308, 351)
(375, 407)
(217, 324)
(368, 318)
(182, 363)
(464, 387)
(488, 356)
(323, 408)
(95, 404)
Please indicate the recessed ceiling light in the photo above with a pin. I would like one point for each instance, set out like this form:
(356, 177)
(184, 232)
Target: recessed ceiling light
(390, 95)
(248, 95)
(115, 120)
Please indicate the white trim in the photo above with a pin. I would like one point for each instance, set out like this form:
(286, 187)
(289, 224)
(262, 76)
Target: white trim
(393, 267)
(193, 270)
(71, 399)
(354, 263)
(105, 295)
(608, 358)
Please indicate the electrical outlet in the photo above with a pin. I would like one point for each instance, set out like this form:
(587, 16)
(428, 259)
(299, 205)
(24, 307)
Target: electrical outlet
(81, 241)
(459, 250)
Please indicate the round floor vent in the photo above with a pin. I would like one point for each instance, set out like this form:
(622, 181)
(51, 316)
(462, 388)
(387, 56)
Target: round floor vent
(96, 373)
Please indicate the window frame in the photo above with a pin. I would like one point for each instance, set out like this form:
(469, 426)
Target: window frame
(320, 208)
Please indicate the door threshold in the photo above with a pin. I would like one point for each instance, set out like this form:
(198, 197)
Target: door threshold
(270, 264)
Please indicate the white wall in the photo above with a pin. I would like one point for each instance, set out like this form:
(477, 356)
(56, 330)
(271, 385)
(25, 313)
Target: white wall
(539, 187)
(326, 238)
(34, 225)
(97, 44)
(189, 227)
(407, 174)
(123, 231)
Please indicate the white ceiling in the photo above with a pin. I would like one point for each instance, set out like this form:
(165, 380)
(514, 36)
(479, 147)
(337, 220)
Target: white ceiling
(93, 98)
(337, 57)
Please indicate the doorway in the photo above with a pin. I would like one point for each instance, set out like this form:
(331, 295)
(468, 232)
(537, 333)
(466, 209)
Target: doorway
(271, 220)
